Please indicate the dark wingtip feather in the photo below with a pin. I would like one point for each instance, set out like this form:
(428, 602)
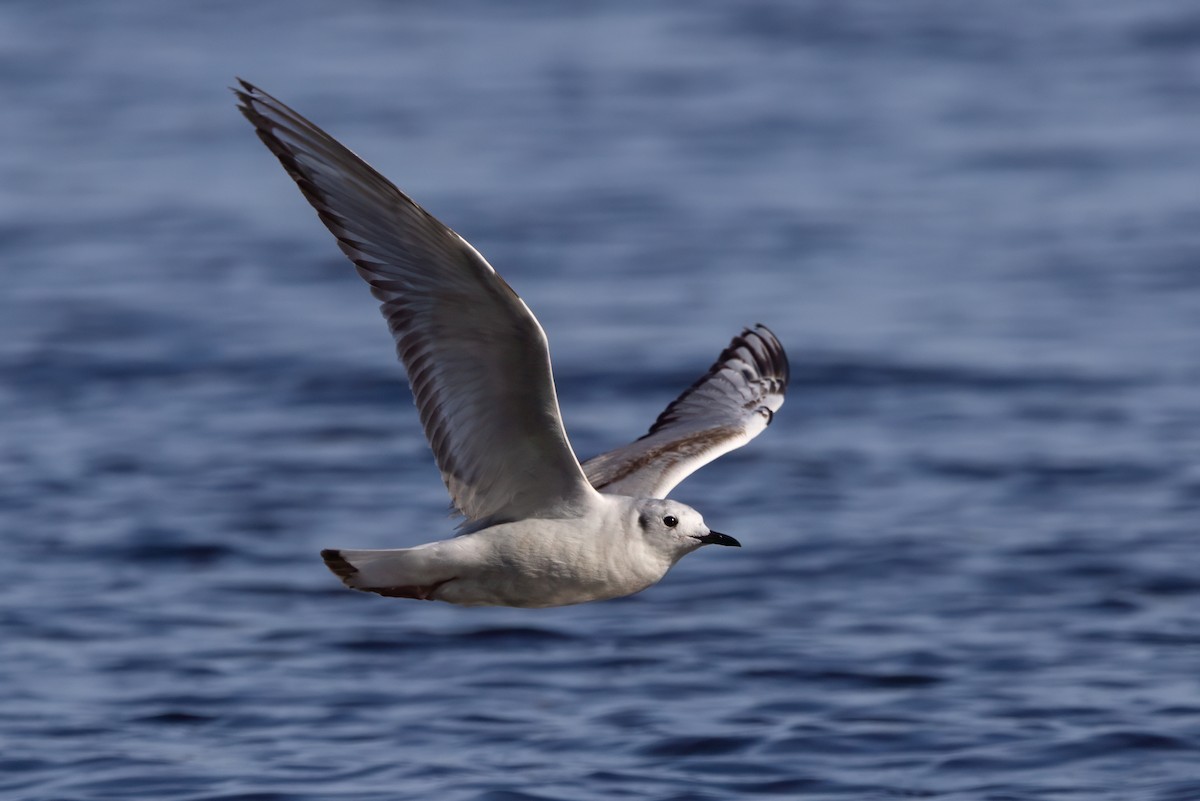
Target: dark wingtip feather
(335, 562)
(245, 92)
(770, 361)
(776, 355)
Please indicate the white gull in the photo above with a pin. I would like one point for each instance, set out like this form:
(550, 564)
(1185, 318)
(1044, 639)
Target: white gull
(541, 529)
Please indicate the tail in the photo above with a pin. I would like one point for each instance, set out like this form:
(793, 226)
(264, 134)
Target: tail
(399, 573)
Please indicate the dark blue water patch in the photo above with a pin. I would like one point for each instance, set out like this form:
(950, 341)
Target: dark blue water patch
(770, 23)
(64, 373)
(777, 787)
(381, 646)
(727, 786)
(813, 371)
(503, 637)
(514, 636)
(1139, 745)
(1058, 712)
(73, 374)
(617, 664)
(1062, 410)
(634, 719)
(254, 796)
(1070, 546)
(575, 220)
(1024, 791)
(1076, 161)
(336, 386)
(1042, 475)
(1048, 476)
(166, 547)
(175, 718)
(1185, 640)
(839, 373)
(822, 742)
(696, 746)
(515, 795)
(1114, 606)
(1169, 584)
(1175, 791)
(879, 34)
(803, 676)
(696, 630)
(1171, 32)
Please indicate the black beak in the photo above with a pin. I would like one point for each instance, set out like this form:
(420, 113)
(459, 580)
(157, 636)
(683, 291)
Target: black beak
(717, 538)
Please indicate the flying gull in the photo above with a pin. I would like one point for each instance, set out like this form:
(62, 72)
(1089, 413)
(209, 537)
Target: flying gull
(540, 528)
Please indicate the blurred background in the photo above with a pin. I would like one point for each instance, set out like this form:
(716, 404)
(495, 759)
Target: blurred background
(971, 567)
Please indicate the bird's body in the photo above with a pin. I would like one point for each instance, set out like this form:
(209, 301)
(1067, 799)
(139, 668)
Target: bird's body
(596, 555)
(541, 529)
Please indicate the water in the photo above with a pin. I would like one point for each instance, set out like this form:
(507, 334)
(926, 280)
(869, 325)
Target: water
(971, 566)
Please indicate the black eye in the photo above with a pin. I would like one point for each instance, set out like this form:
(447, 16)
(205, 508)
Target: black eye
(670, 521)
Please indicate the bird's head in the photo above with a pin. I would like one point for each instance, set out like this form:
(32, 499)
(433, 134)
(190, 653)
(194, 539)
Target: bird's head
(675, 529)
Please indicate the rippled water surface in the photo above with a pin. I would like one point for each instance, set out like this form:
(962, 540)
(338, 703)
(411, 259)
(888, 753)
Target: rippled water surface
(972, 558)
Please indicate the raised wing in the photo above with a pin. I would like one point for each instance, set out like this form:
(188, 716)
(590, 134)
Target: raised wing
(729, 406)
(476, 357)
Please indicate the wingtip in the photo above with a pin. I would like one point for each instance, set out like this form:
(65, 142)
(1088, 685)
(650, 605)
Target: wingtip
(338, 564)
(771, 355)
(258, 107)
(244, 90)
(759, 349)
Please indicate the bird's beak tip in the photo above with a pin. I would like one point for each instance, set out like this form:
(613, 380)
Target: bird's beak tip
(717, 538)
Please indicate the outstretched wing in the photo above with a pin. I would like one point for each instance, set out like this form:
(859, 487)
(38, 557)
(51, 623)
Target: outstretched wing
(729, 406)
(476, 357)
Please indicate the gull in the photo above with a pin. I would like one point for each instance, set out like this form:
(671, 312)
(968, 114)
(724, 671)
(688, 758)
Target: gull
(540, 529)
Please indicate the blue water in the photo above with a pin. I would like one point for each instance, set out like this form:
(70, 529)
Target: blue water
(972, 535)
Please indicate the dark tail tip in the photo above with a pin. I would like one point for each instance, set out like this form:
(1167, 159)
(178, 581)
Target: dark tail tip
(335, 562)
